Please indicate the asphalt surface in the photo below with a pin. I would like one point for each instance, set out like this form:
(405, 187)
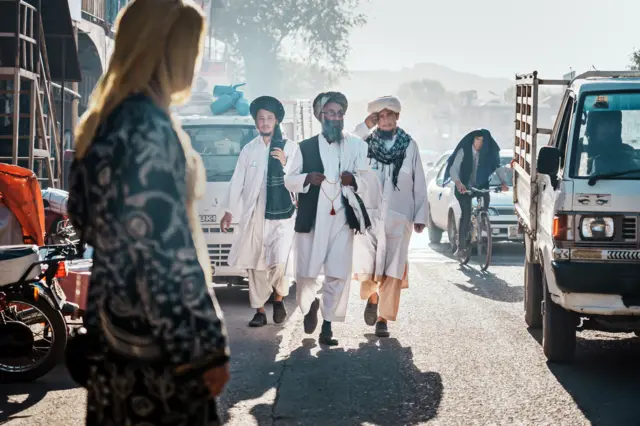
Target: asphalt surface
(459, 354)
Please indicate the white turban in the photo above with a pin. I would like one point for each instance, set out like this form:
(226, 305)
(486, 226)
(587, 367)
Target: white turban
(385, 102)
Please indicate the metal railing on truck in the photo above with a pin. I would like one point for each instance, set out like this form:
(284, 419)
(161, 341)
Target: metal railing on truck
(525, 147)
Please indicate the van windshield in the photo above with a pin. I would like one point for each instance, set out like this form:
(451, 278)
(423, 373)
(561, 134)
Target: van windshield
(220, 146)
(609, 136)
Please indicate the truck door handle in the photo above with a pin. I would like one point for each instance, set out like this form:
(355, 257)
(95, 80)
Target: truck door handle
(440, 196)
(544, 186)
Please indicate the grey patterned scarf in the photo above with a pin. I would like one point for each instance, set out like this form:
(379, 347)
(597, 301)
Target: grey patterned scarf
(394, 155)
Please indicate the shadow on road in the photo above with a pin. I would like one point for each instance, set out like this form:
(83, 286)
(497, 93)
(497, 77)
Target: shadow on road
(18, 397)
(253, 351)
(503, 254)
(489, 286)
(603, 379)
(377, 383)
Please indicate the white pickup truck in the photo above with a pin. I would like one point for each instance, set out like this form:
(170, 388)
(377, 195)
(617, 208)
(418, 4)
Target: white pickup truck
(578, 202)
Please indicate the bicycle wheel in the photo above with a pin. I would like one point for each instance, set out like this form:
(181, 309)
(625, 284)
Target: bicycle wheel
(484, 241)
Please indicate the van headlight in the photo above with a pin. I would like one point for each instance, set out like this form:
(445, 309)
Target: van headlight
(597, 228)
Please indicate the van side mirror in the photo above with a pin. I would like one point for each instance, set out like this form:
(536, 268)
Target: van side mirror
(548, 160)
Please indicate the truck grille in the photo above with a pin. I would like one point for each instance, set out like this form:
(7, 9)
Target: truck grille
(629, 226)
(219, 253)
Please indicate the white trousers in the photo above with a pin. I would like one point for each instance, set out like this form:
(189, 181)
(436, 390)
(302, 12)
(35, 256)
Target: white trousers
(263, 283)
(334, 301)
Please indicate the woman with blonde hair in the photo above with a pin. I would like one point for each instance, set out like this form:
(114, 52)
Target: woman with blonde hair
(159, 351)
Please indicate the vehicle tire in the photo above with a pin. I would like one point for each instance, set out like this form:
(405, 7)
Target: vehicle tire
(58, 345)
(484, 244)
(452, 231)
(558, 330)
(435, 234)
(533, 295)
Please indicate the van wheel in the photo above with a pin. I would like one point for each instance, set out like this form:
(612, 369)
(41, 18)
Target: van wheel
(435, 234)
(558, 330)
(452, 231)
(532, 295)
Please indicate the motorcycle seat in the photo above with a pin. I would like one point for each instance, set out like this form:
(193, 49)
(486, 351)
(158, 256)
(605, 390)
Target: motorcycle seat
(15, 261)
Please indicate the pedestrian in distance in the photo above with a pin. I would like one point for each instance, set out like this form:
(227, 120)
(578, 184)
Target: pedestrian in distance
(266, 212)
(327, 174)
(381, 255)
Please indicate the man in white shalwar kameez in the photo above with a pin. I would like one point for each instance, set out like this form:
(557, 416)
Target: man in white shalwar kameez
(382, 254)
(265, 209)
(327, 173)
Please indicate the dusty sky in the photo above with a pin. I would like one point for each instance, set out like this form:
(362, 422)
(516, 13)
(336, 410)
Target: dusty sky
(498, 38)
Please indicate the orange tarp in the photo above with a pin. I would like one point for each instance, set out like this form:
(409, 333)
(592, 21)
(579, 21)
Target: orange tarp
(20, 192)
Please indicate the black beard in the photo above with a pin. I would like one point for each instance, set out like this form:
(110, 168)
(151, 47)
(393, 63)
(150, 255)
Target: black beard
(386, 135)
(266, 135)
(332, 130)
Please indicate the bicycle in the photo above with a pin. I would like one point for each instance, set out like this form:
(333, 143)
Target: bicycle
(479, 235)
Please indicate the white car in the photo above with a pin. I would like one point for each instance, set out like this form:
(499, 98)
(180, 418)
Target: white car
(444, 210)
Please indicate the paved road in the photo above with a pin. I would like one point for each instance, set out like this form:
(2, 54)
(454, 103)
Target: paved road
(458, 355)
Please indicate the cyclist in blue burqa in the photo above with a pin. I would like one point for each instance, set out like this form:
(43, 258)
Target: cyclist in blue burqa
(471, 164)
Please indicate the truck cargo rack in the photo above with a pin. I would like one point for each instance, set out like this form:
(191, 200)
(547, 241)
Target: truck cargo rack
(526, 146)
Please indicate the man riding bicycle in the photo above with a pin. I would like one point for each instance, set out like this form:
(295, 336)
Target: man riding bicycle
(472, 163)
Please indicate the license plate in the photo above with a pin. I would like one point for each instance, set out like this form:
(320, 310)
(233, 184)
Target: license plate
(211, 218)
(514, 233)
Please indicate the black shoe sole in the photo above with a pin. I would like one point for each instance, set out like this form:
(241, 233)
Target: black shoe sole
(279, 313)
(327, 340)
(371, 314)
(311, 319)
(384, 332)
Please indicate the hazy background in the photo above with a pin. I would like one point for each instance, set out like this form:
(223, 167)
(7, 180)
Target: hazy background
(452, 63)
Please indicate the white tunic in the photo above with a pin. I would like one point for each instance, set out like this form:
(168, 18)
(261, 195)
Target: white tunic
(259, 243)
(330, 249)
(396, 211)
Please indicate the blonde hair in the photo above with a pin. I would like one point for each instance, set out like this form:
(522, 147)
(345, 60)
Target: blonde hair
(157, 48)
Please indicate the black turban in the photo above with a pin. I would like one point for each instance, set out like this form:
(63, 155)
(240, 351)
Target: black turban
(267, 103)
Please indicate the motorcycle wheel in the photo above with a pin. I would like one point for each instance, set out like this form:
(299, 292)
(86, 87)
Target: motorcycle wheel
(15, 372)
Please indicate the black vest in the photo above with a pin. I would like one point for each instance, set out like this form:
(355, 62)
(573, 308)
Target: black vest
(308, 202)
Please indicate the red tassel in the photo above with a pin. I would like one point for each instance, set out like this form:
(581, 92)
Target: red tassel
(333, 211)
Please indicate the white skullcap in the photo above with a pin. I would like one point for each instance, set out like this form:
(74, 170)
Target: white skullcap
(385, 102)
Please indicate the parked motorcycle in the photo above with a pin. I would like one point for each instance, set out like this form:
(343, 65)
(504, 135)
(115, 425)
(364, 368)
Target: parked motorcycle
(33, 331)
(57, 224)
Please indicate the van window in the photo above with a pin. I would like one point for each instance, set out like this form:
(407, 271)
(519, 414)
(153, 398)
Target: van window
(220, 146)
(608, 140)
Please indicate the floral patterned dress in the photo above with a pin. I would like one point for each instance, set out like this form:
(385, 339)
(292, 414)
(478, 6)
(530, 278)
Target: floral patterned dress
(158, 326)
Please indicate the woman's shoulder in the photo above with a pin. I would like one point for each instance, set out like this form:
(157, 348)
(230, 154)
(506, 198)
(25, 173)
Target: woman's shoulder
(142, 125)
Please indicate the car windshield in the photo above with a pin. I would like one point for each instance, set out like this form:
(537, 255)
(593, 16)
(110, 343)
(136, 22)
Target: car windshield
(608, 140)
(220, 146)
(505, 164)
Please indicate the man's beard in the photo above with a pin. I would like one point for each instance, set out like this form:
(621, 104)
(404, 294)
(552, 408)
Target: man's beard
(266, 134)
(386, 135)
(332, 130)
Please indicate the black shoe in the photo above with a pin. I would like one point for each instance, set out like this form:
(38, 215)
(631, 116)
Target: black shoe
(327, 339)
(311, 319)
(381, 329)
(279, 312)
(371, 313)
(259, 320)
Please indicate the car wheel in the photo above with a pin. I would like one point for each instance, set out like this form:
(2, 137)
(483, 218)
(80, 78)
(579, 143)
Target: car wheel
(558, 330)
(532, 295)
(435, 234)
